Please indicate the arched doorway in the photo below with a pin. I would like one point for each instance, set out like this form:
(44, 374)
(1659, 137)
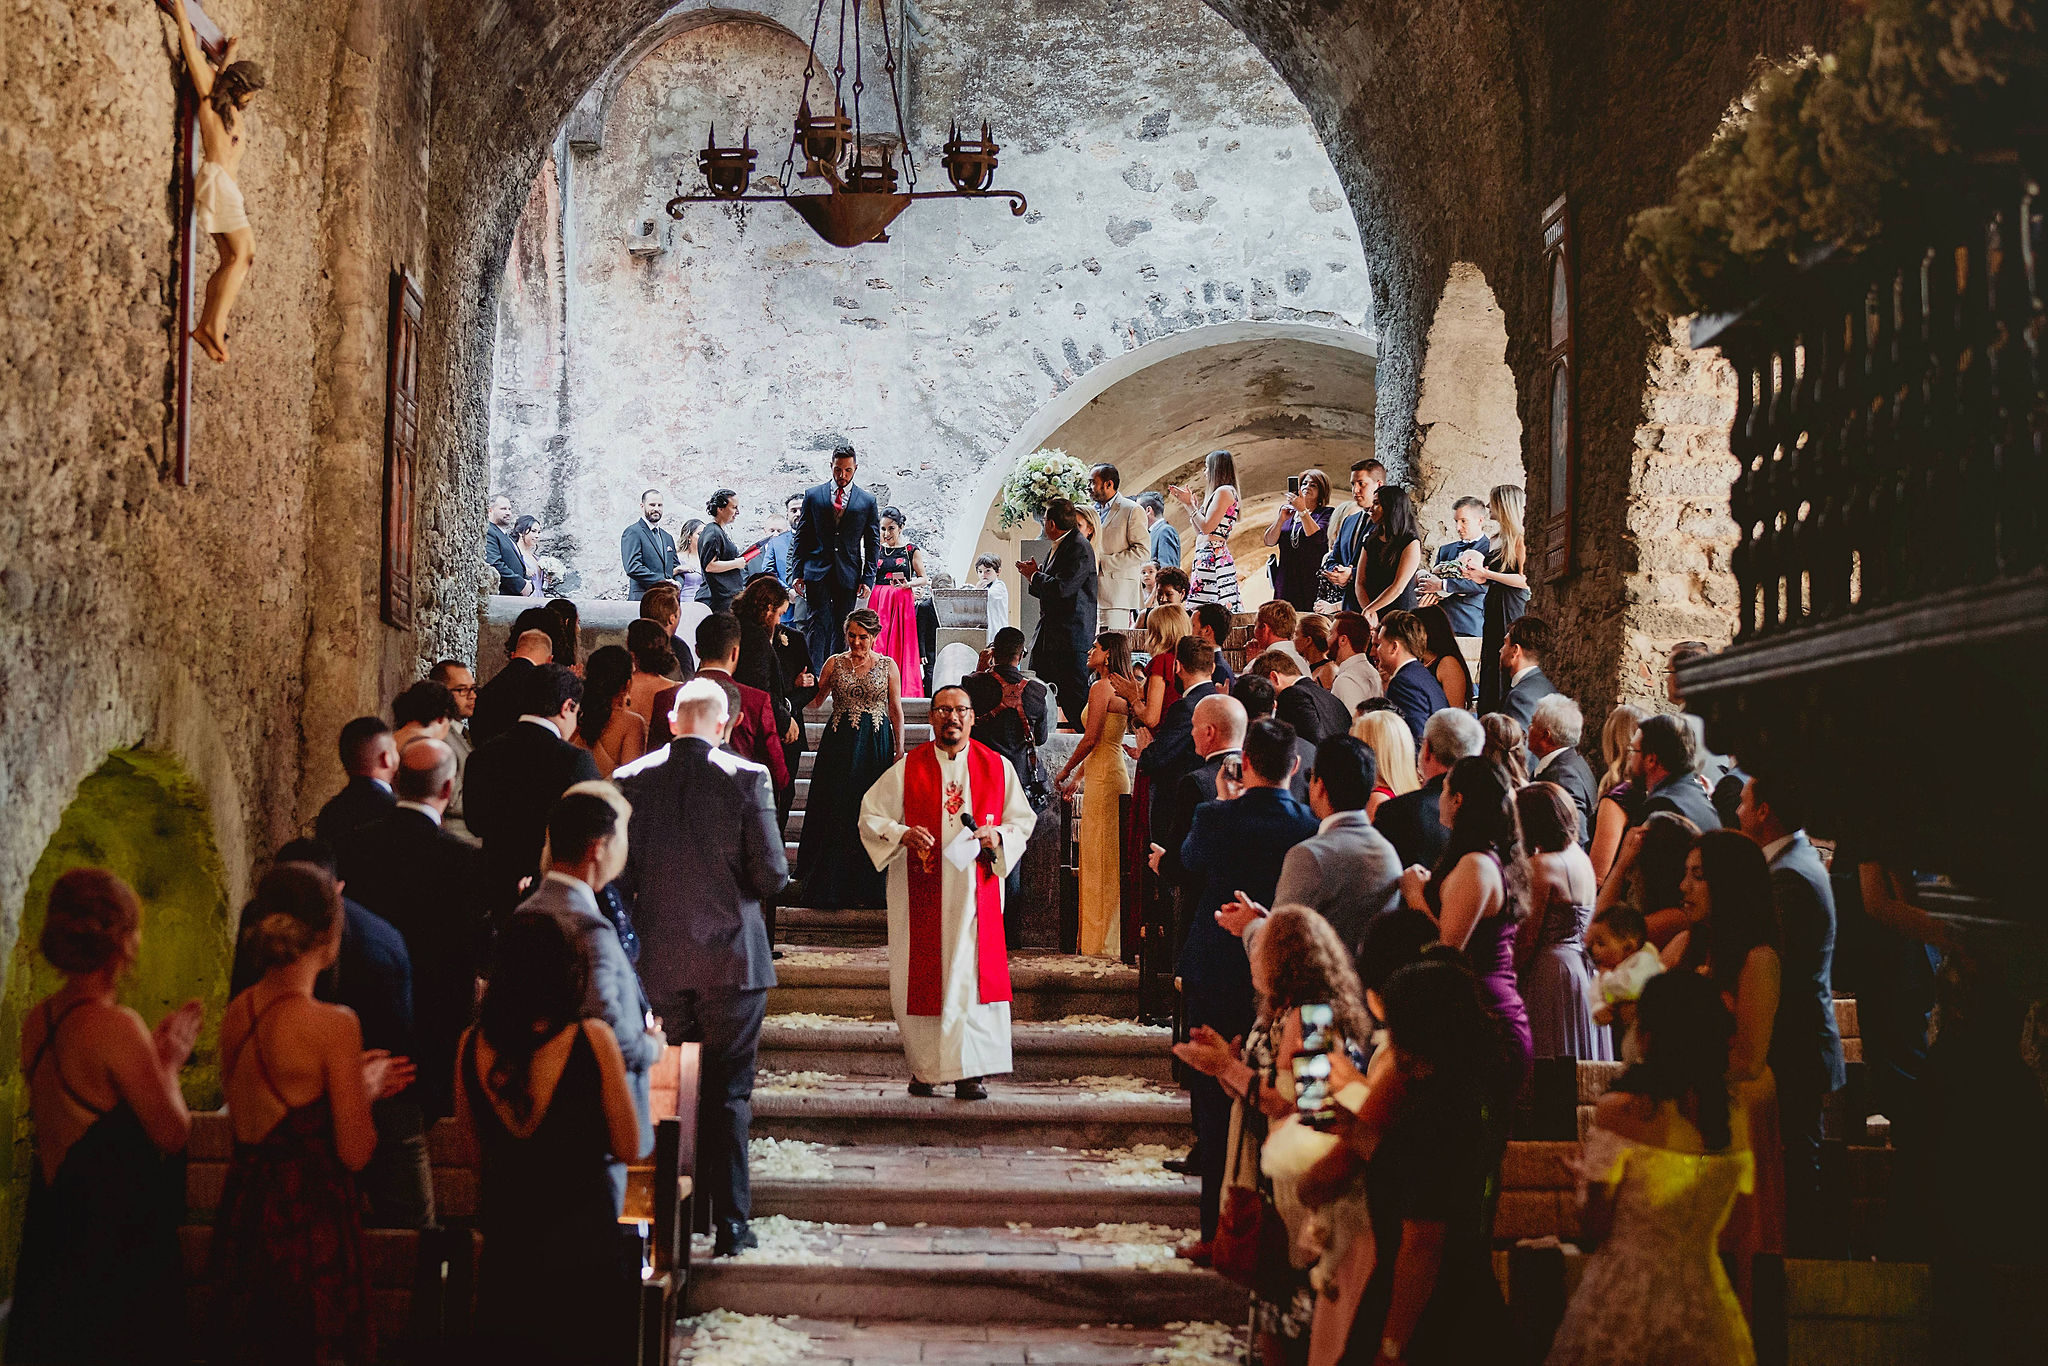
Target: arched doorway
(1281, 397)
(142, 816)
(1468, 433)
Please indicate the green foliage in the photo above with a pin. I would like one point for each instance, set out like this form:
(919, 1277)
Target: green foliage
(1833, 152)
(141, 817)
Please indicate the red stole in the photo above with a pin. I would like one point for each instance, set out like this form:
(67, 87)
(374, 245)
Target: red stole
(924, 804)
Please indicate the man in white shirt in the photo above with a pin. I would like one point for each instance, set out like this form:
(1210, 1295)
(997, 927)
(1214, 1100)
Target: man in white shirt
(1358, 678)
(1122, 545)
(1274, 630)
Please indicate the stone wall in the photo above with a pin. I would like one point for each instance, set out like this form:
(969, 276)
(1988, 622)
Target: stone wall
(1468, 436)
(1174, 184)
(188, 619)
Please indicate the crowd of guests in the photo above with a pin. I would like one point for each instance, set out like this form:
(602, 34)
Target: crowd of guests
(515, 903)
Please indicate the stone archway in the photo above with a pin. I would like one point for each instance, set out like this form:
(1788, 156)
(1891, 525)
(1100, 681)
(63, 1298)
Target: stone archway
(140, 815)
(1468, 433)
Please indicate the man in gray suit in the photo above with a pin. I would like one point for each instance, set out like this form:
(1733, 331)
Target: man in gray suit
(706, 850)
(587, 850)
(1347, 870)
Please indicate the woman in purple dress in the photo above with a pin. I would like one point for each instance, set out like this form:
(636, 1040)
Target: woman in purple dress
(1476, 894)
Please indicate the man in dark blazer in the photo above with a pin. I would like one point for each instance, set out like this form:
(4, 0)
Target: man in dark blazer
(586, 852)
(778, 552)
(1218, 738)
(1521, 662)
(706, 850)
(500, 701)
(1664, 769)
(514, 780)
(501, 552)
(1172, 751)
(1312, 709)
(430, 885)
(838, 540)
(1410, 821)
(1806, 1045)
(1411, 687)
(646, 549)
(1256, 693)
(370, 759)
(1555, 729)
(373, 977)
(1234, 846)
(1347, 539)
(1065, 588)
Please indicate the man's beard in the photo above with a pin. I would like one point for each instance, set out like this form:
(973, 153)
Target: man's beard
(653, 518)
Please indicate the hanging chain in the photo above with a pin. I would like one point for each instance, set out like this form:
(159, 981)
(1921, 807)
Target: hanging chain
(895, 96)
(859, 84)
(810, 71)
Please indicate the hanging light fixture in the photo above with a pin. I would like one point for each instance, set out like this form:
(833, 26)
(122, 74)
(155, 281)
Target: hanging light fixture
(864, 193)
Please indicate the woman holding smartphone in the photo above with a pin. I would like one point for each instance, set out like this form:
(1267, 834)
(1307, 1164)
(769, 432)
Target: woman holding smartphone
(1298, 963)
(1302, 533)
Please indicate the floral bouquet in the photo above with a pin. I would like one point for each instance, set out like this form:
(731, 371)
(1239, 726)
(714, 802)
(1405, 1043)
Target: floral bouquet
(1038, 479)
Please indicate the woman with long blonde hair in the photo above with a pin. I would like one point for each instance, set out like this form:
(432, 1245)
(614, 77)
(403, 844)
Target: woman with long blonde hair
(1505, 572)
(1393, 748)
(1619, 800)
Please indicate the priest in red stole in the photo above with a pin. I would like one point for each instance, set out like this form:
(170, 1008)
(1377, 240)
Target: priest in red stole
(948, 822)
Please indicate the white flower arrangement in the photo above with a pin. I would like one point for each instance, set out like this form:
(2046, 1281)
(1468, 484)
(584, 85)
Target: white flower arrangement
(1038, 479)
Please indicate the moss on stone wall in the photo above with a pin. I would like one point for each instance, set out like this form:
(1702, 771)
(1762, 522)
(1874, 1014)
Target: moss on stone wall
(139, 816)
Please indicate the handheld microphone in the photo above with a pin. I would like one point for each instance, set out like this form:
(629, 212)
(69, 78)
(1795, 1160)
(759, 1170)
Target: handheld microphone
(987, 856)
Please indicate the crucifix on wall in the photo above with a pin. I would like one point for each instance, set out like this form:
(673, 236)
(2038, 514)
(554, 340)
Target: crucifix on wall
(185, 243)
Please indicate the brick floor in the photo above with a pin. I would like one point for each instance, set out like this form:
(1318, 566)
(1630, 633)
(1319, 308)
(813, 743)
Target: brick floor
(988, 1167)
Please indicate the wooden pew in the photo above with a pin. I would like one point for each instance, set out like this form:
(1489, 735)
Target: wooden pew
(423, 1283)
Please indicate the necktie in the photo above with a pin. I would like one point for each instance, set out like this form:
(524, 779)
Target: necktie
(839, 498)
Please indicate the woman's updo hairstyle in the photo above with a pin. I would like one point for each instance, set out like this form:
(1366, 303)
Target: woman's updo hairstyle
(867, 619)
(91, 915)
(294, 912)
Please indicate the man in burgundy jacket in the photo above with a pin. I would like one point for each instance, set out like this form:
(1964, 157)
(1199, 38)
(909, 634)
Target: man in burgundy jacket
(754, 734)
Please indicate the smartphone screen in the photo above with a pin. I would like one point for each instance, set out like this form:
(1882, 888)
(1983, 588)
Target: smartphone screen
(1294, 484)
(1318, 1029)
(1313, 1099)
(1233, 769)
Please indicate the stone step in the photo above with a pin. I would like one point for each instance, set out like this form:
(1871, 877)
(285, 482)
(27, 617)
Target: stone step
(989, 1187)
(830, 929)
(1090, 1274)
(914, 733)
(1044, 986)
(1042, 1052)
(1021, 1114)
(793, 828)
(888, 1342)
(916, 710)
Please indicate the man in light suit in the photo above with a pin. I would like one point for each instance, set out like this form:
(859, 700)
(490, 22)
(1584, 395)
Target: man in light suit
(706, 850)
(1065, 588)
(1555, 729)
(501, 552)
(1806, 1045)
(1121, 548)
(1165, 540)
(587, 849)
(646, 549)
(1347, 870)
(1521, 662)
(838, 540)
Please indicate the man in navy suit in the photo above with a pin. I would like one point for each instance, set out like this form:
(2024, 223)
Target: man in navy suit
(1347, 542)
(778, 552)
(838, 540)
(1806, 1045)
(1521, 662)
(646, 550)
(1463, 600)
(1065, 588)
(1235, 844)
(1411, 687)
(501, 552)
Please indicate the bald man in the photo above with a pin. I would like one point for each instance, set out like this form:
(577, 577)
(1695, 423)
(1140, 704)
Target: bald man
(502, 701)
(1218, 729)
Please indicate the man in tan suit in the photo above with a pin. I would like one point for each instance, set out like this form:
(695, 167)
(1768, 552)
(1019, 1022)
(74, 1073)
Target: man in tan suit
(1122, 545)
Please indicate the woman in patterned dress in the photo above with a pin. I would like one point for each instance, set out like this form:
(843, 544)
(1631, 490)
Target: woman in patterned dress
(1215, 573)
(863, 738)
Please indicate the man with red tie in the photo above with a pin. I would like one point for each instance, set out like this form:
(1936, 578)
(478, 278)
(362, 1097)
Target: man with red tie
(949, 821)
(838, 540)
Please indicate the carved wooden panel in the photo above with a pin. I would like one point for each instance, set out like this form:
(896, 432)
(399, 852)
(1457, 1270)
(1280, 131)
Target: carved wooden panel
(401, 448)
(1561, 434)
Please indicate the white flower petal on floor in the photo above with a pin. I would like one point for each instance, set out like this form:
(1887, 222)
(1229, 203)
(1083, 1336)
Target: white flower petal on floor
(787, 1159)
(794, 1081)
(719, 1337)
(1202, 1344)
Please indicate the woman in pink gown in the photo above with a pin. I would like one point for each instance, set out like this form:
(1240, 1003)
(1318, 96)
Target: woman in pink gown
(899, 573)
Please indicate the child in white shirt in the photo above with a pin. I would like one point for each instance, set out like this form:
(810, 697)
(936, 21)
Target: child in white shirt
(1617, 944)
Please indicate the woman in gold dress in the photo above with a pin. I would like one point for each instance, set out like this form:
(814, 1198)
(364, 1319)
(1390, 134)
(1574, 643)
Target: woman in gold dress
(1108, 778)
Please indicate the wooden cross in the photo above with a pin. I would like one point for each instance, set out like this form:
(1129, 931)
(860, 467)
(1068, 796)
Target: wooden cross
(190, 152)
